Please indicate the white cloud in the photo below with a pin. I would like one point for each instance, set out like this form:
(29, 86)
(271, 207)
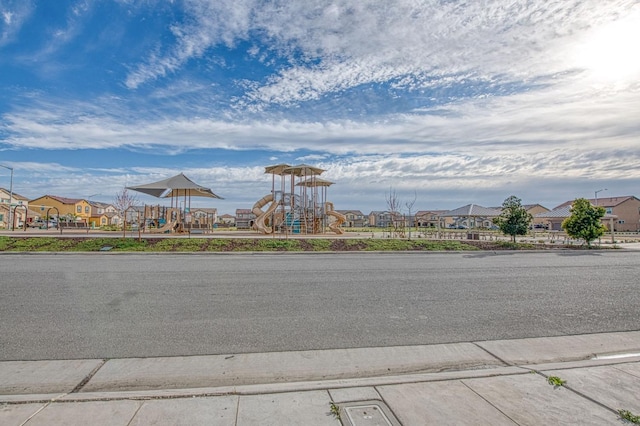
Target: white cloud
(494, 96)
(14, 15)
(333, 46)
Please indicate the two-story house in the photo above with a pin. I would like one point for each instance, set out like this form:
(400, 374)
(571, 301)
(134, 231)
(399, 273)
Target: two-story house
(381, 219)
(244, 218)
(204, 215)
(74, 209)
(429, 219)
(103, 214)
(354, 219)
(626, 209)
(11, 201)
(226, 220)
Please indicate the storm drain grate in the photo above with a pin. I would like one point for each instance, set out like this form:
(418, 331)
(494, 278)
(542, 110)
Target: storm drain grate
(367, 413)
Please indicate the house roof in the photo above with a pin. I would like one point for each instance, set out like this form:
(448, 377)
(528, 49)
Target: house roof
(208, 210)
(99, 204)
(564, 212)
(63, 200)
(531, 206)
(14, 194)
(471, 210)
(436, 212)
(603, 202)
(558, 212)
(350, 211)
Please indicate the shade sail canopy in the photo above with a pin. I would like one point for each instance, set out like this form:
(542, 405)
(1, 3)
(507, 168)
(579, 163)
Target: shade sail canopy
(176, 186)
(315, 182)
(303, 170)
(276, 169)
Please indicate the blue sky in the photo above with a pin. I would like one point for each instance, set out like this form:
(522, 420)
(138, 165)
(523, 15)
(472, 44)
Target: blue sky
(455, 102)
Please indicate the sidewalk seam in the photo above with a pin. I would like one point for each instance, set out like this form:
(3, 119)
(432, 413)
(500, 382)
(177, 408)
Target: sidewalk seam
(580, 394)
(476, 344)
(88, 377)
(487, 401)
(135, 414)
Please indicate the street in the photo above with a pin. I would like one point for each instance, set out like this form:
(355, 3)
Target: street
(104, 305)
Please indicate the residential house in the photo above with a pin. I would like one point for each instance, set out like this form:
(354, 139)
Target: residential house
(354, 219)
(553, 219)
(72, 208)
(625, 208)
(533, 210)
(429, 218)
(381, 219)
(226, 220)
(134, 214)
(103, 214)
(11, 200)
(244, 218)
(98, 207)
(204, 216)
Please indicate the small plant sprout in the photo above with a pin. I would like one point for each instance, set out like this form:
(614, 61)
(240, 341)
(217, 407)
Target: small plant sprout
(556, 381)
(628, 416)
(335, 410)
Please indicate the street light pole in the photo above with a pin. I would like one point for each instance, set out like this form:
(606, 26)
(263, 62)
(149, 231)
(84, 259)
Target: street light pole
(10, 192)
(599, 190)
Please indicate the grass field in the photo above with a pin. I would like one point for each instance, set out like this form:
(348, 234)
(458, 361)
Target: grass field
(71, 244)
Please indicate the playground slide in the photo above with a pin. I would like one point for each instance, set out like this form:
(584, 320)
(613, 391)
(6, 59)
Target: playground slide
(167, 227)
(261, 216)
(339, 218)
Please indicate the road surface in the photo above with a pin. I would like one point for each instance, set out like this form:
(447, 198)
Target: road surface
(103, 305)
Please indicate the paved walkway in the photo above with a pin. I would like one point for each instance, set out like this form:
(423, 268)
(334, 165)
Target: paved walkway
(508, 382)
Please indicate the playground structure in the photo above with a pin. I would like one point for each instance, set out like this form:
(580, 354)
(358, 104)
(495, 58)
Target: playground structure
(306, 211)
(161, 219)
(165, 220)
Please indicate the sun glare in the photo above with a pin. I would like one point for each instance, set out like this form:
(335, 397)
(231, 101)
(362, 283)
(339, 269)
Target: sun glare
(611, 53)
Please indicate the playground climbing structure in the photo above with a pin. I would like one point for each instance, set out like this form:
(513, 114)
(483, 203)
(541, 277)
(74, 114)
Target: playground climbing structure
(297, 203)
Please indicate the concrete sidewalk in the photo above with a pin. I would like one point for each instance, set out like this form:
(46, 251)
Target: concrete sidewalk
(475, 383)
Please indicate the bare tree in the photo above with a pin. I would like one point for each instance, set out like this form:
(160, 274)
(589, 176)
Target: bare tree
(394, 205)
(123, 201)
(409, 205)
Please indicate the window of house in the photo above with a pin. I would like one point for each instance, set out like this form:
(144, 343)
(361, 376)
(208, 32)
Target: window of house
(86, 209)
(79, 209)
(1, 217)
(609, 210)
(621, 222)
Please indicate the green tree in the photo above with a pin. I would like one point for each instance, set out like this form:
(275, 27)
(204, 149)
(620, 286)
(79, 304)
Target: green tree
(585, 221)
(514, 219)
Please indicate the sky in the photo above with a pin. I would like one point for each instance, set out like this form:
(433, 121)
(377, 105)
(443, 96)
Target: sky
(443, 102)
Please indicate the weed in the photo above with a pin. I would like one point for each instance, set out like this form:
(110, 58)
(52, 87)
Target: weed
(319, 245)
(335, 410)
(556, 381)
(628, 416)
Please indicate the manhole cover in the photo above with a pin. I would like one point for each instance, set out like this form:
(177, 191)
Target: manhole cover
(367, 413)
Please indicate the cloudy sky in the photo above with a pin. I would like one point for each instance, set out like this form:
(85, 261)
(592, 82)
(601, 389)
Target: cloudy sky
(456, 102)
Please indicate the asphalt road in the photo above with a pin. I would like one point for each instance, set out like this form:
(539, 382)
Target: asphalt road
(71, 306)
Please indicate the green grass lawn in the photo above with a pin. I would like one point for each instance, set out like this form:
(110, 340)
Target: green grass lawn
(53, 244)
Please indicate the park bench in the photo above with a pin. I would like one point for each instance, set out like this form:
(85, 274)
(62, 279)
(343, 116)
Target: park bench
(73, 226)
